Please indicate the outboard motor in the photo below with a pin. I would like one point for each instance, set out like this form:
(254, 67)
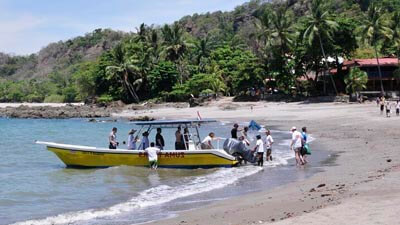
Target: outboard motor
(239, 150)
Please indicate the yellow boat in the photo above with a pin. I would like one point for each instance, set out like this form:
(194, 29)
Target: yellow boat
(193, 157)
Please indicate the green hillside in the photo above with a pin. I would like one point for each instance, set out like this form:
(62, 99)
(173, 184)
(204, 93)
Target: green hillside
(219, 52)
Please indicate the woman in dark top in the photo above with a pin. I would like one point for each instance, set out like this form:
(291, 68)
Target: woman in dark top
(234, 131)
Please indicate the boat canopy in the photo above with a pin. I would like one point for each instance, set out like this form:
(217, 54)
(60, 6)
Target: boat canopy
(172, 123)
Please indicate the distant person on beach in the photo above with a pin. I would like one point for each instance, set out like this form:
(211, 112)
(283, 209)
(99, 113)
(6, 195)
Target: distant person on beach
(268, 145)
(112, 139)
(234, 131)
(377, 101)
(152, 155)
(388, 109)
(207, 142)
(296, 145)
(259, 148)
(179, 139)
(382, 104)
(145, 141)
(159, 139)
(398, 108)
(132, 140)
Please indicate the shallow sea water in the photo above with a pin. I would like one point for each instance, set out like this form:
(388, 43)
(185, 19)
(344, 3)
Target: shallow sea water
(37, 188)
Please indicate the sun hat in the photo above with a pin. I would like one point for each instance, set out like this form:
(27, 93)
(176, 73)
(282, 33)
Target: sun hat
(132, 131)
(293, 128)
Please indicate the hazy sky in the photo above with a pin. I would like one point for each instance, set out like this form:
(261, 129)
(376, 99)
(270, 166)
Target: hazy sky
(28, 25)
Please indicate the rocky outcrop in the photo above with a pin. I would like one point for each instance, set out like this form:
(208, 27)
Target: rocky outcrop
(47, 112)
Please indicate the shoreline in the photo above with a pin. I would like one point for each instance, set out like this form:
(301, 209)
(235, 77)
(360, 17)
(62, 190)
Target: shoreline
(363, 146)
(362, 143)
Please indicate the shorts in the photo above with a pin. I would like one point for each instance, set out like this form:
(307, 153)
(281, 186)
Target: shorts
(205, 146)
(387, 110)
(303, 151)
(269, 151)
(297, 149)
(382, 107)
(111, 146)
(153, 164)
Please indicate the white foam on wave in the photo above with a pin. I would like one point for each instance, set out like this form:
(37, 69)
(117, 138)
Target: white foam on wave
(153, 196)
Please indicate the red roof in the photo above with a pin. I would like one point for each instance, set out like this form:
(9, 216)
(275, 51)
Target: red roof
(371, 62)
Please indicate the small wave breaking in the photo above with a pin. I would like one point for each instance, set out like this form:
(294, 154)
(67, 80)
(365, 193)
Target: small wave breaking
(152, 197)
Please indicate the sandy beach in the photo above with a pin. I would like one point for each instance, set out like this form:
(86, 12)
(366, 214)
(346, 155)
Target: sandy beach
(359, 187)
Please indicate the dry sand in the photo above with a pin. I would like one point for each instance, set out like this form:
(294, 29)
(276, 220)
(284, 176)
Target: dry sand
(360, 187)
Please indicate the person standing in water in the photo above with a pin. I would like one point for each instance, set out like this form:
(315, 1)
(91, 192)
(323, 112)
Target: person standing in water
(179, 140)
(152, 155)
(304, 136)
(112, 139)
(145, 141)
(159, 139)
(132, 140)
(296, 145)
(186, 137)
(259, 148)
(268, 143)
(234, 131)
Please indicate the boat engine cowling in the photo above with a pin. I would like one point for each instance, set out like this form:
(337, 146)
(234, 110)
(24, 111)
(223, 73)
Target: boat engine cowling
(239, 150)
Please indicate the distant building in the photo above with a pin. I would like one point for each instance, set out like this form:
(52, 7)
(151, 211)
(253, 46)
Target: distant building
(388, 66)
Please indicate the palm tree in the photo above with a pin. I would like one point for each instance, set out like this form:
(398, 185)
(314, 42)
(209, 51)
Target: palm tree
(282, 33)
(396, 34)
(202, 48)
(320, 24)
(356, 80)
(375, 29)
(123, 69)
(175, 46)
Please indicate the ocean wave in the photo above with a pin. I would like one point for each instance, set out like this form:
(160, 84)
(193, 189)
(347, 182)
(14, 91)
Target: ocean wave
(152, 197)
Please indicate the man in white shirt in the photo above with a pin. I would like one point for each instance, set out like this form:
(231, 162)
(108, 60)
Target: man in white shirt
(398, 108)
(296, 145)
(268, 144)
(206, 143)
(152, 155)
(260, 151)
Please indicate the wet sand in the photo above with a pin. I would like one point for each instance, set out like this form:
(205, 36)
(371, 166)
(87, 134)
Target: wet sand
(358, 186)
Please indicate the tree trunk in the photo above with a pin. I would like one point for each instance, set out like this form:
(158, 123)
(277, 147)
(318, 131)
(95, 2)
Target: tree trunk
(130, 88)
(379, 70)
(326, 64)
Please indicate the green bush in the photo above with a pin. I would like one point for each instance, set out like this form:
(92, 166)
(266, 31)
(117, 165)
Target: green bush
(105, 99)
(70, 94)
(54, 99)
(34, 98)
(177, 95)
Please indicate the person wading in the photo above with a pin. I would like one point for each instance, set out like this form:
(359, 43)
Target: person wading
(260, 151)
(112, 139)
(159, 139)
(296, 145)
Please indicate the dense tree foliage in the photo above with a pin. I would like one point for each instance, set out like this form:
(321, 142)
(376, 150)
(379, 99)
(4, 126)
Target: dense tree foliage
(260, 45)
